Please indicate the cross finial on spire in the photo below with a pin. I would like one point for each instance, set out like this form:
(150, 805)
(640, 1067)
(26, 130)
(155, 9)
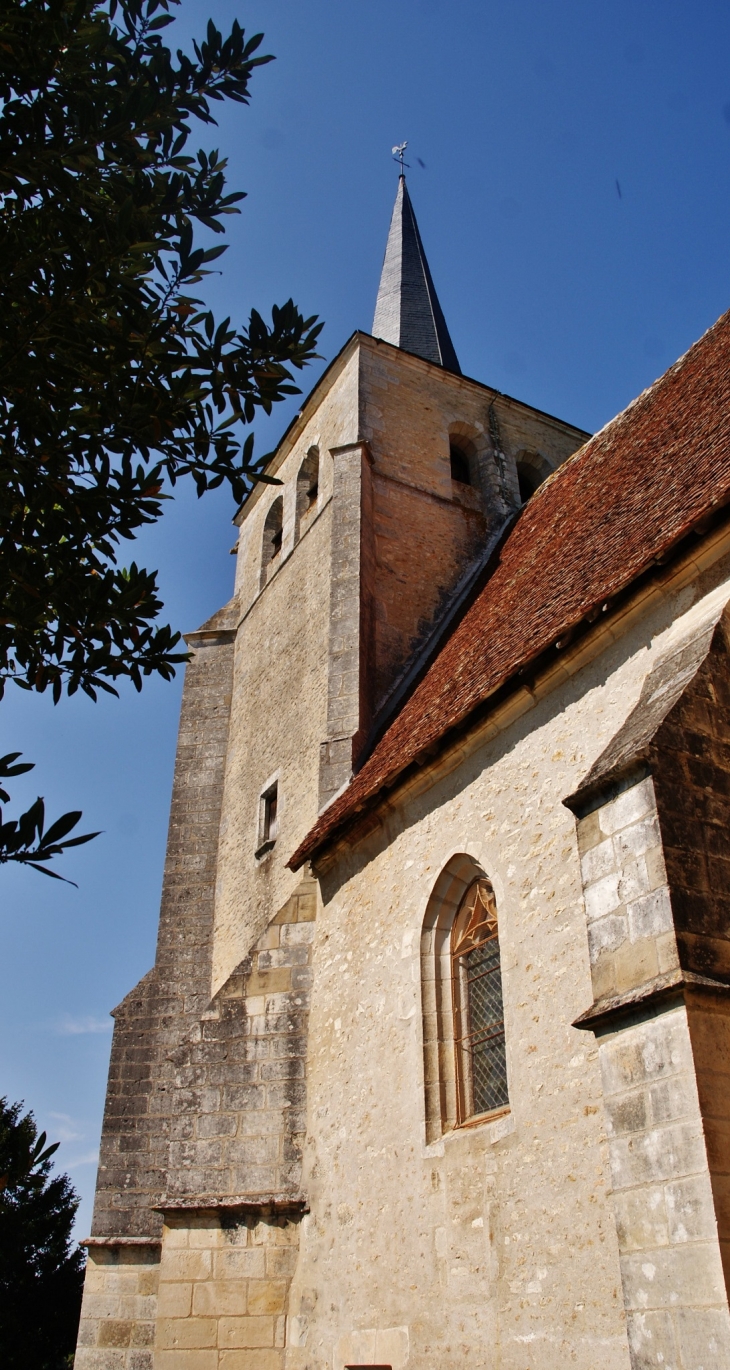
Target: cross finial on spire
(398, 155)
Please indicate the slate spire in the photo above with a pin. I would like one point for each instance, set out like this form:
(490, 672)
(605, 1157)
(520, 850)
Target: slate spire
(407, 311)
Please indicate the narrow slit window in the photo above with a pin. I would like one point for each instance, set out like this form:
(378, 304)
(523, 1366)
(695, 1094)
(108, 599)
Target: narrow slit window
(268, 819)
(270, 815)
(479, 1041)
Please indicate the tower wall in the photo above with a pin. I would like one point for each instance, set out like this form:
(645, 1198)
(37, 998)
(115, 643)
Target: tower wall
(429, 528)
(205, 1097)
(120, 1290)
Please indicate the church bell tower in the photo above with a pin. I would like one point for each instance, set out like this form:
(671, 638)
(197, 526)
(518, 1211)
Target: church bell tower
(395, 482)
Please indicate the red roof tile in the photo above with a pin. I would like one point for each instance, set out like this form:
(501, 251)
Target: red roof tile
(598, 523)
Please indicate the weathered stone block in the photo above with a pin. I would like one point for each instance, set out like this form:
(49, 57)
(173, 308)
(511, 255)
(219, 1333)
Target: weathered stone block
(599, 861)
(184, 1359)
(690, 1209)
(628, 808)
(184, 1265)
(658, 1155)
(190, 1333)
(603, 897)
(689, 1276)
(267, 1296)
(174, 1299)
(245, 1332)
(641, 1218)
(652, 1340)
(704, 1336)
(650, 915)
(234, 1263)
(217, 1298)
(251, 1360)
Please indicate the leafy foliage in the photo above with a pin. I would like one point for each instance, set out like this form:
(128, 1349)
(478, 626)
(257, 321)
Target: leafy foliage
(24, 839)
(41, 1276)
(114, 381)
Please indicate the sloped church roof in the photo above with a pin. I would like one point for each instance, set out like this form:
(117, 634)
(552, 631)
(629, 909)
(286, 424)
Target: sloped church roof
(407, 311)
(607, 516)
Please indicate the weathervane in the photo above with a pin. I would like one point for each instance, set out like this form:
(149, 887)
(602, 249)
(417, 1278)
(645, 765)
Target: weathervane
(398, 155)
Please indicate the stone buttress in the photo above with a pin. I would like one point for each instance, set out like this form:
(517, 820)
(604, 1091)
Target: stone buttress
(653, 824)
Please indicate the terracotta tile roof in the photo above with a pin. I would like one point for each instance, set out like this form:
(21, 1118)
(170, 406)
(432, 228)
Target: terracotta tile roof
(604, 517)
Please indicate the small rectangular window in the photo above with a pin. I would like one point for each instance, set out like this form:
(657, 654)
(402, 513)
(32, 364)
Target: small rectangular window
(268, 819)
(270, 806)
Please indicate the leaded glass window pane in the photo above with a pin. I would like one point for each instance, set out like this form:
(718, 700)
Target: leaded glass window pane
(478, 1012)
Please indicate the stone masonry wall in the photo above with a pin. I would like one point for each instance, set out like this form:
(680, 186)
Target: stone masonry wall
(239, 1085)
(690, 760)
(256, 711)
(671, 1268)
(709, 1028)
(428, 527)
(223, 1289)
(234, 1203)
(349, 664)
(119, 1309)
(579, 1228)
(655, 865)
(415, 528)
(150, 1022)
(156, 1015)
(631, 936)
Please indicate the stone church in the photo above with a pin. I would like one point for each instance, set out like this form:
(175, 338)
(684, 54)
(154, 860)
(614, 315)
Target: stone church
(433, 1065)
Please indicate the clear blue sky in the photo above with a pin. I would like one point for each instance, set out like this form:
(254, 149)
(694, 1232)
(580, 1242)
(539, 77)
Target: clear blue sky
(531, 118)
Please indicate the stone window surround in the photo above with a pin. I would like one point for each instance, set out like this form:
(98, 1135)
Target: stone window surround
(273, 530)
(284, 557)
(307, 479)
(266, 840)
(440, 1084)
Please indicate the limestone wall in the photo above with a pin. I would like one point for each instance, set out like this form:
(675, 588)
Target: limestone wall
(631, 935)
(671, 1265)
(204, 1115)
(507, 1244)
(119, 1308)
(237, 1090)
(223, 1289)
(156, 1015)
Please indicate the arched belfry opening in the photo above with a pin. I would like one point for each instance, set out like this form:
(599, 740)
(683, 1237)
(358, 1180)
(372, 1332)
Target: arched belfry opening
(307, 491)
(459, 462)
(272, 539)
(532, 470)
(465, 1062)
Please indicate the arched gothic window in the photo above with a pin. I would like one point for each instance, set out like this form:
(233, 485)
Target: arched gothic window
(465, 1072)
(307, 490)
(271, 545)
(479, 1046)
